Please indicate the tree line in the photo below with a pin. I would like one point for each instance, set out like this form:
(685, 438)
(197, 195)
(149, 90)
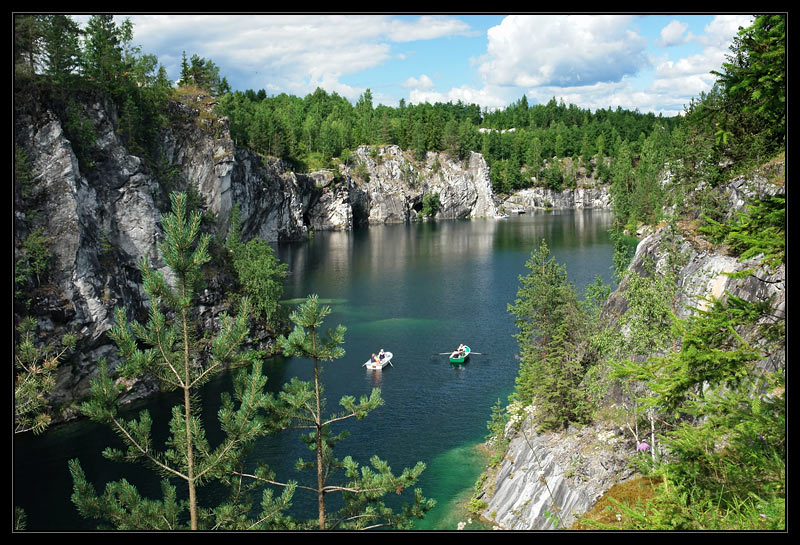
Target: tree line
(525, 146)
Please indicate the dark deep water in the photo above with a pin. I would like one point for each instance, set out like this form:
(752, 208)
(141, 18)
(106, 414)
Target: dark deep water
(412, 289)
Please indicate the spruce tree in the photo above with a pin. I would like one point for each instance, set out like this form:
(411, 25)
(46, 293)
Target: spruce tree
(550, 321)
(175, 357)
(61, 46)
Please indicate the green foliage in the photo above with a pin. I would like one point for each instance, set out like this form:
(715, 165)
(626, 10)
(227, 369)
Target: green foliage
(260, 274)
(760, 229)
(292, 128)
(61, 46)
(104, 50)
(553, 176)
(754, 85)
(362, 172)
(34, 378)
(34, 258)
(552, 324)
(727, 442)
(430, 205)
(173, 356)
(80, 131)
(301, 406)
(742, 120)
(203, 73)
(497, 436)
(102, 58)
(498, 421)
(28, 34)
(20, 519)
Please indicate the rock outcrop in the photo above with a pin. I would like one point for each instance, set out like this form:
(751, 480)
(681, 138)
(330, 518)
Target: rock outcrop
(543, 198)
(547, 480)
(386, 186)
(102, 211)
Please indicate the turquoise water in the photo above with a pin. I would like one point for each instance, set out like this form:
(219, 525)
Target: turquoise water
(415, 290)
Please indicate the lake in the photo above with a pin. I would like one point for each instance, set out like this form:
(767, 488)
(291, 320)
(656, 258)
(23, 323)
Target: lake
(412, 289)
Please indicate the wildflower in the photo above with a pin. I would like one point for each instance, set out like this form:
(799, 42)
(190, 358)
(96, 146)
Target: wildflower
(642, 446)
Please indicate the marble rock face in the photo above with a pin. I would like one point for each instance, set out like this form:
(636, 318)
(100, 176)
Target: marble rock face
(102, 213)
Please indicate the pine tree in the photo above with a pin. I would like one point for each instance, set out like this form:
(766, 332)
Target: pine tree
(34, 378)
(174, 357)
(28, 42)
(302, 407)
(754, 82)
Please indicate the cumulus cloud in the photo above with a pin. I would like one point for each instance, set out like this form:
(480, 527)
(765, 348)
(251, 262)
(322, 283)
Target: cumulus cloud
(720, 31)
(594, 61)
(674, 82)
(486, 97)
(680, 80)
(293, 53)
(673, 33)
(427, 27)
(424, 81)
(562, 50)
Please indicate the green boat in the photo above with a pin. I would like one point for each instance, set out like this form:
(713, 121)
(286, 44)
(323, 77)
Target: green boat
(462, 358)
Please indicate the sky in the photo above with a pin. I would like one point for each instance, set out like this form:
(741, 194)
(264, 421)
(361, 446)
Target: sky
(653, 63)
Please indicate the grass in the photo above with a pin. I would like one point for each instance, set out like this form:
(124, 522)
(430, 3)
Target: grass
(633, 492)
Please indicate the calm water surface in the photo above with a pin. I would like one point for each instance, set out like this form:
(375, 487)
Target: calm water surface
(414, 290)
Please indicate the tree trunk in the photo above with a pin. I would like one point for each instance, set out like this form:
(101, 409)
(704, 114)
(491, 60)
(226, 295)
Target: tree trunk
(320, 477)
(187, 408)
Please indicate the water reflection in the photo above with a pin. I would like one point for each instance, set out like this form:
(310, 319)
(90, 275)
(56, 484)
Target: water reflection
(414, 290)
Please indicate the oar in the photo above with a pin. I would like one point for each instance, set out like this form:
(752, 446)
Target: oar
(471, 354)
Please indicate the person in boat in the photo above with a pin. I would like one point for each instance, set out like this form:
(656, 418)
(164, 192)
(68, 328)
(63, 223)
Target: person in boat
(458, 352)
(374, 358)
(381, 354)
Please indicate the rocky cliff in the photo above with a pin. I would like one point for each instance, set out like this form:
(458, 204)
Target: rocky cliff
(542, 198)
(394, 186)
(548, 480)
(100, 207)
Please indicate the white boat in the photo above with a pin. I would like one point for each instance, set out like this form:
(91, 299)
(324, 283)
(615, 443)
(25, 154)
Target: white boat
(381, 363)
(500, 216)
